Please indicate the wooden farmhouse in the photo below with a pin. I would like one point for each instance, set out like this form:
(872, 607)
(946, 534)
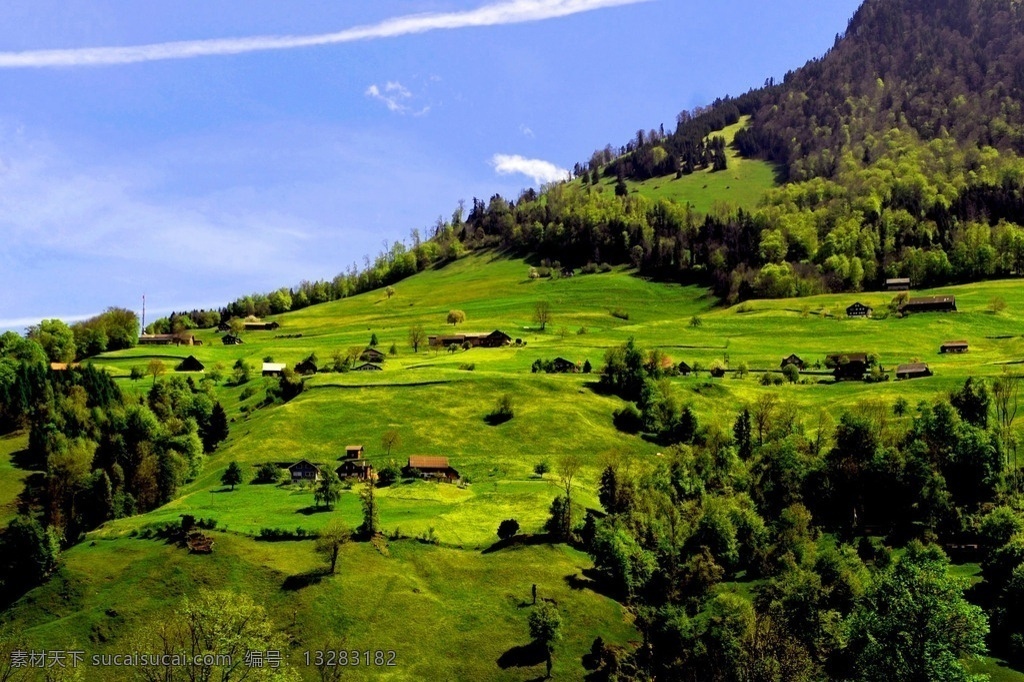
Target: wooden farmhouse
(495, 339)
(563, 366)
(304, 470)
(354, 466)
(685, 369)
(849, 365)
(436, 468)
(190, 364)
(224, 327)
(367, 367)
(273, 369)
(231, 340)
(929, 304)
(166, 339)
(63, 366)
(793, 359)
(914, 370)
(858, 309)
(372, 355)
(954, 347)
(897, 284)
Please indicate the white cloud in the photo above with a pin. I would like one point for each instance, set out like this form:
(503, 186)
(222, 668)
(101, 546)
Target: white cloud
(396, 97)
(526, 131)
(541, 171)
(495, 14)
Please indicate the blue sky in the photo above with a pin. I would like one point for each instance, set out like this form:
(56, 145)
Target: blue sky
(197, 171)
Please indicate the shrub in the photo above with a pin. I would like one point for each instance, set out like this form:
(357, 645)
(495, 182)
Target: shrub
(620, 313)
(628, 419)
(468, 366)
(508, 528)
(766, 379)
(581, 331)
(542, 467)
(589, 269)
(587, 367)
(247, 392)
(791, 372)
(388, 474)
(604, 267)
(777, 380)
(503, 410)
(268, 472)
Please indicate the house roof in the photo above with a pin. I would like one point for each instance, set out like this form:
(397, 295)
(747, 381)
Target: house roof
(954, 343)
(366, 366)
(898, 280)
(353, 447)
(303, 462)
(930, 300)
(858, 304)
(912, 368)
(422, 462)
(156, 337)
(273, 366)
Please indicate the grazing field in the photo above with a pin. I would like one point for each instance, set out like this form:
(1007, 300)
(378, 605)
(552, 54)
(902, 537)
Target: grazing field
(429, 596)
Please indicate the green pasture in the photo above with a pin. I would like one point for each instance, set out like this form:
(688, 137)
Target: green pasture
(417, 601)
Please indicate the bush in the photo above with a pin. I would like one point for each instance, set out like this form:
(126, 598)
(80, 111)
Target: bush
(628, 419)
(791, 372)
(388, 474)
(247, 392)
(468, 366)
(581, 331)
(604, 267)
(766, 379)
(268, 472)
(503, 411)
(541, 468)
(508, 528)
(589, 269)
(620, 313)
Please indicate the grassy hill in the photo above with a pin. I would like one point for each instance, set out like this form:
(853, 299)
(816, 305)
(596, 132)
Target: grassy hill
(425, 593)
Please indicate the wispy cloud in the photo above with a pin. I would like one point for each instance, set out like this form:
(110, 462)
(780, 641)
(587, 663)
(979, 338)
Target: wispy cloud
(541, 171)
(526, 131)
(396, 97)
(495, 14)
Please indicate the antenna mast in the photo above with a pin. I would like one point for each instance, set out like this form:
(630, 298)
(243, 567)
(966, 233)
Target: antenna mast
(143, 313)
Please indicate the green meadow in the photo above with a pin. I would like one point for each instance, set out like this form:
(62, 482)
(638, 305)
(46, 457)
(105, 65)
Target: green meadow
(450, 594)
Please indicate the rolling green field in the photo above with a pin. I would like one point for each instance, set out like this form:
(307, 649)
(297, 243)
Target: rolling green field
(425, 593)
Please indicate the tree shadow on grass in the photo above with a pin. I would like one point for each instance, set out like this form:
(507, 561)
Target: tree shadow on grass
(524, 656)
(591, 579)
(300, 581)
(225, 489)
(312, 509)
(519, 541)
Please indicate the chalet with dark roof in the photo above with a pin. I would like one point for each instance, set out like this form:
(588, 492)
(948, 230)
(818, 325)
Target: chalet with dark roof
(684, 369)
(913, 370)
(436, 468)
(563, 366)
(231, 340)
(190, 364)
(358, 469)
(897, 284)
(858, 309)
(371, 355)
(954, 347)
(304, 470)
(495, 339)
(354, 451)
(793, 359)
(158, 339)
(929, 304)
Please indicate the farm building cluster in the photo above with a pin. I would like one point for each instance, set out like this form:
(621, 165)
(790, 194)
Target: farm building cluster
(355, 467)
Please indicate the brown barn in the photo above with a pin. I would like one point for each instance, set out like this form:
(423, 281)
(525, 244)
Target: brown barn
(307, 366)
(354, 451)
(231, 340)
(431, 467)
(273, 369)
(914, 370)
(685, 369)
(929, 304)
(563, 366)
(158, 339)
(898, 284)
(954, 347)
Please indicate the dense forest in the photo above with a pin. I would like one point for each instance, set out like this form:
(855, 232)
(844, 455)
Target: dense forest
(836, 527)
